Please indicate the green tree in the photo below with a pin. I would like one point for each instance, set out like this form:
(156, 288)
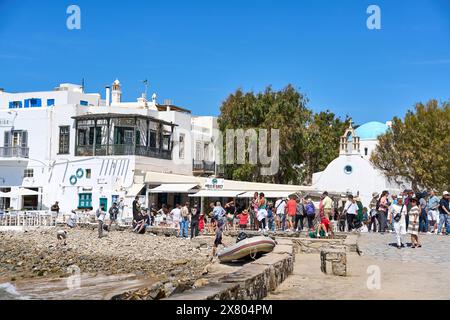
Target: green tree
(284, 110)
(322, 142)
(416, 148)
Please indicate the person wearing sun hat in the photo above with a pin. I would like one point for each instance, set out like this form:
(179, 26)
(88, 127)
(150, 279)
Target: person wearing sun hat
(444, 213)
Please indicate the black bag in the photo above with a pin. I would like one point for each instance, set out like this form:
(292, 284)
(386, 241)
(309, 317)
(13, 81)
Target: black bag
(241, 236)
(398, 216)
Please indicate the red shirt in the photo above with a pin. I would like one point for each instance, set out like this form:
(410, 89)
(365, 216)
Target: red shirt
(243, 219)
(291, 207)
(326, 223)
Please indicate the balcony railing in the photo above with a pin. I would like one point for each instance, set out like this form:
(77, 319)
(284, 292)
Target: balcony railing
(123, 150)
(14, 152)
(205, 167)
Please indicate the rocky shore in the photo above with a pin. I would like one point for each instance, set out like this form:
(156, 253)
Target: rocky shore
(174, 264)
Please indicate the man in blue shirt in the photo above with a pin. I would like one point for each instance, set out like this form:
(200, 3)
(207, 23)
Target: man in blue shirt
(433, 211)
(444, 213)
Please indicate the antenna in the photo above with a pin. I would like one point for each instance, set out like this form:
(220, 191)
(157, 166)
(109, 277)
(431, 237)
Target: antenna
(145, 82)
(82, 85)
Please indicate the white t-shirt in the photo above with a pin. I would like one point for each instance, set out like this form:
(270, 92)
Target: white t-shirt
(101, 217)
(352, 208)
(280, 205)
(176, 214)
(396, 209)
(72, 220)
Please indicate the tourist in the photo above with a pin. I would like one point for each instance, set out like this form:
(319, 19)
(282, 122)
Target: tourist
(270, 217)
(184, 222)
(254, 206)
(218, 239)
(280, 206)
(351, 210)
(262, 212)
(101, 213)
(342, 215)
(136, 209)
(195, 216)
(55, 208)
(372, 224)
(219, 214)
(113, 213)
(176, 218)
(382, 208)
(414, 214)
(327, 205)
(121, 207)
(201, 223)
(323, 228)
(398, 214)
(359, 218)
(444, 214)
(310, 213)
(230, 209)
(433, 211)
(243, 219)
(408, 195)
(291, 208)
(423, 218)
(72, 221)
(299, 215)
(210, 223)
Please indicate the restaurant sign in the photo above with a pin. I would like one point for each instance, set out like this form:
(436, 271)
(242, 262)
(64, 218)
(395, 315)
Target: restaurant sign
(214, 184)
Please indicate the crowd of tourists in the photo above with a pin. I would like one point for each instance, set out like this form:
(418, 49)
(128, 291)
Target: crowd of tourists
(407, 212)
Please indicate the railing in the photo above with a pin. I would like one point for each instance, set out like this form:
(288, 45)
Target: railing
(14, 152)
(123, 150)
(204, 166)
(28, 219)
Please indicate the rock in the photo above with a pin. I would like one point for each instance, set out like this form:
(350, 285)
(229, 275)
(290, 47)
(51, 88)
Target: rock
(157, 291)
(201, 283)
(334, 261)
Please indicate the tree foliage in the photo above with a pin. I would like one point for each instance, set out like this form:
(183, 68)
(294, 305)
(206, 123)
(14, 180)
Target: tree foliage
(416, 149)
(308, 141)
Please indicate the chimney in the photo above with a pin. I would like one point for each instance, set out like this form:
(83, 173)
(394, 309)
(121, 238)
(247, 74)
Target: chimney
(108, 96)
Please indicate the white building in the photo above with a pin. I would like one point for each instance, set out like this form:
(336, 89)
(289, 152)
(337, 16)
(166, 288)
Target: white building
(352, 172)
(82, 150)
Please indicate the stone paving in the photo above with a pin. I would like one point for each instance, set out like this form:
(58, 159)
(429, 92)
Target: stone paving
(403, 274)
(435, 248)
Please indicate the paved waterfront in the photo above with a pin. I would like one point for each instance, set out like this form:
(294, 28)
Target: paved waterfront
(435, 249)
(404, 274)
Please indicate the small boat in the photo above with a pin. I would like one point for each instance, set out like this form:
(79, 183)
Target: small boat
(249, 247)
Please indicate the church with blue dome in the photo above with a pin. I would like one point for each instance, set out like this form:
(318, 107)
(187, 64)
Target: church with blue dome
(352, 172)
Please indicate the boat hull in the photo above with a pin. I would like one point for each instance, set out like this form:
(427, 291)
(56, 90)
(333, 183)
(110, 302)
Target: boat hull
(247, 247)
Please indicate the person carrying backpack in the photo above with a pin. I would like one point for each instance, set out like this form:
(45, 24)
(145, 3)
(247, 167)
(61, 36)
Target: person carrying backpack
(310, 213)
(100, 214)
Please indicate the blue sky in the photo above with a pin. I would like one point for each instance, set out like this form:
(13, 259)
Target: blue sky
(198, 52)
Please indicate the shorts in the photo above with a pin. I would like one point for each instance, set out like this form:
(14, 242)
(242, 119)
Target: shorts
(433, 215)
(217, 241)
(243, 226)
(290, 218)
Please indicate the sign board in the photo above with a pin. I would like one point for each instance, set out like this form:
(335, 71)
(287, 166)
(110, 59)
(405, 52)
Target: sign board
(214, 184)
(6, 123)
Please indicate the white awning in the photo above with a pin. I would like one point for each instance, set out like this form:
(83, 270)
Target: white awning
(20, 192)
(135, 190)
(217, 194)
(268, 194)
(175, 188)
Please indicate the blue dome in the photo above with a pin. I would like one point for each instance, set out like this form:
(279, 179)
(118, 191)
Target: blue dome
(371, 130)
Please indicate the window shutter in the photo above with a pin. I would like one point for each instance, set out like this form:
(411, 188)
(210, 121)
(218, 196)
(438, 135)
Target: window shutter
(27, 103)
(24, 139)
(7, 141)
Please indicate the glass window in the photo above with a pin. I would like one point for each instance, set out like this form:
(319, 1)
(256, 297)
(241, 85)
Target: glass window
(85, 200)
(64, 140)
(182, 146)
(33, 103)
(153, 139)
(50, 102)
(28, 173)
(84, 103)
(88, 173)
(15, 104)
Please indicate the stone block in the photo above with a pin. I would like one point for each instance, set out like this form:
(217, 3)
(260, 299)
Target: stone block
(333, 261)
(212, 291)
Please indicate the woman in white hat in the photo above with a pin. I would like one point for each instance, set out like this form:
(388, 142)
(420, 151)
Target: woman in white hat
(398, 217)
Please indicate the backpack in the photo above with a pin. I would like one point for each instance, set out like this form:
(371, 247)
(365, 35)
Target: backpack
(98, 213)
(241, 236)
(310, 210)
(377, 207)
